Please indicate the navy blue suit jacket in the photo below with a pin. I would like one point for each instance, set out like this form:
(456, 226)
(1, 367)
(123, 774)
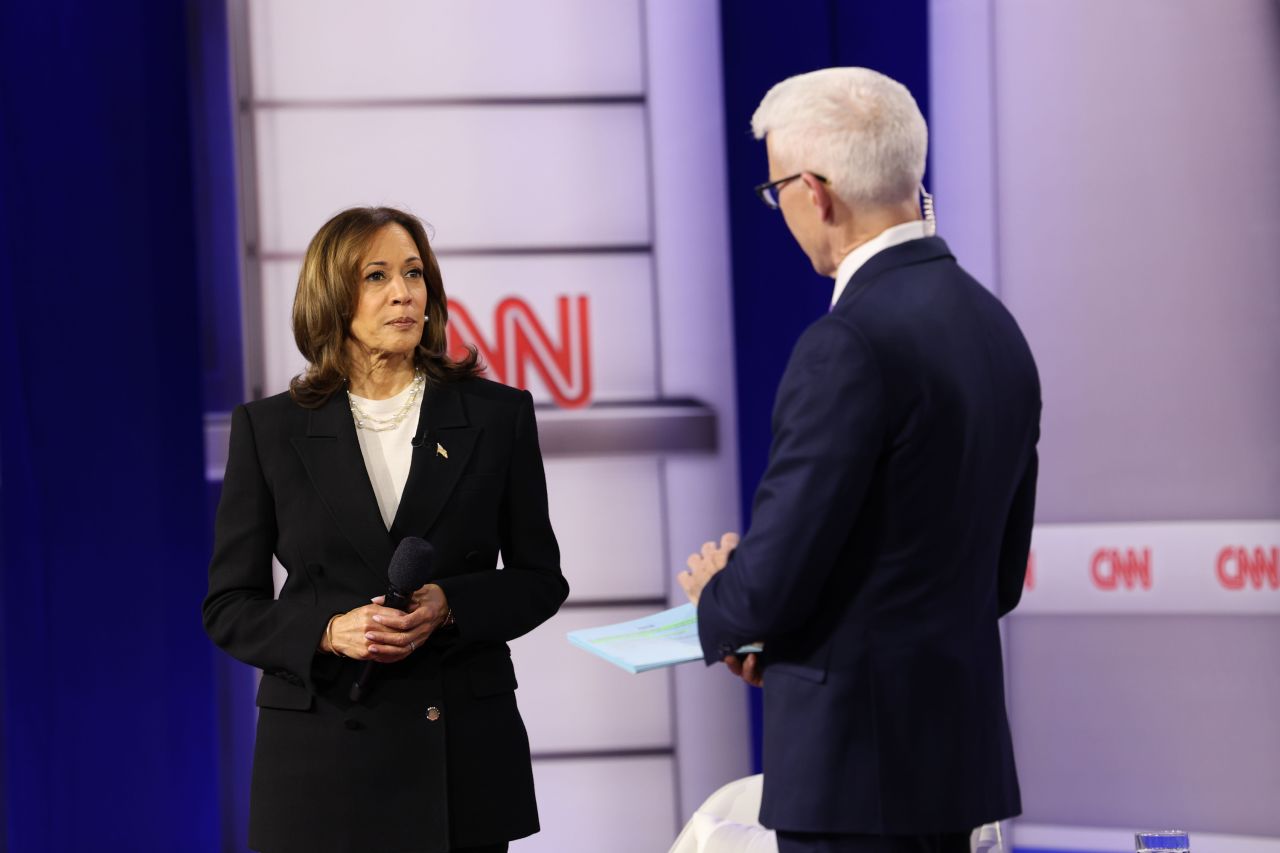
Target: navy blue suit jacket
(888, 535)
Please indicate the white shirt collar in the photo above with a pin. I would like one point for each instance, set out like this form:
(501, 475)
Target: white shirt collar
(892, 236)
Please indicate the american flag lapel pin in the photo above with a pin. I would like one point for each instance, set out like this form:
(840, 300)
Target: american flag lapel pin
(440, 451)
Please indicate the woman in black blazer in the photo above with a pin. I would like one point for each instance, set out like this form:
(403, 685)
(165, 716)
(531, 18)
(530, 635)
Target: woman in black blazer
(383, 437)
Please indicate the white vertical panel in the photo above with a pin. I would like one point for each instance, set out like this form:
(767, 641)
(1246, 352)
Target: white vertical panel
(696, 319)
(607, 513)
(603, 806)
(281, 360)
(481, 176)
(576, 701)
(379, 49)
(1140, 238)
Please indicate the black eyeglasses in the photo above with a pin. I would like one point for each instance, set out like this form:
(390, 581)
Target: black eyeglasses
(768, 191)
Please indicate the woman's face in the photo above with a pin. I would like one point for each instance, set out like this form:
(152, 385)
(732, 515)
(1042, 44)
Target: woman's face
(392, 300)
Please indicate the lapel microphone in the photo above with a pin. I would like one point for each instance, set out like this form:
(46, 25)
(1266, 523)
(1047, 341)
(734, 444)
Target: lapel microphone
(421, 435)
(411, 567)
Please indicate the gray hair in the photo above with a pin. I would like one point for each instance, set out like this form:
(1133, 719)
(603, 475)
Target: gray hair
(856, 127)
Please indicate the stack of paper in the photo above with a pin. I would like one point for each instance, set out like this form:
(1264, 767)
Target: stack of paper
(650, 642)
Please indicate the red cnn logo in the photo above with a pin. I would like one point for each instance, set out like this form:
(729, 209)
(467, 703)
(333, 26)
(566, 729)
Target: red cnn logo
(521, 342)
(1238, 567)
(1111, 567)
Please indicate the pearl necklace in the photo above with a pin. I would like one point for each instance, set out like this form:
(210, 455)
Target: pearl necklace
(368, 422)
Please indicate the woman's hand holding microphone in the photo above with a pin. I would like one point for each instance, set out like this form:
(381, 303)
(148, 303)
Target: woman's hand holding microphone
(384, 634)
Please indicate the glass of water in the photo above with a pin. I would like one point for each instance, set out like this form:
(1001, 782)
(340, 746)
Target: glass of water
(1162, 841)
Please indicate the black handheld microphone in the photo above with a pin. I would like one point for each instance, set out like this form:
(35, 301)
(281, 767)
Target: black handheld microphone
(410, 568)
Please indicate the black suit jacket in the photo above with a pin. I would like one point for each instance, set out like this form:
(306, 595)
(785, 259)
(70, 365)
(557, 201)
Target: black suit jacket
(382, 775)
(888, 535)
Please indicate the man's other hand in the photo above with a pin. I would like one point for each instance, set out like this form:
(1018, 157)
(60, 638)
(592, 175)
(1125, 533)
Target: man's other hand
(747, 668)
(704, 564)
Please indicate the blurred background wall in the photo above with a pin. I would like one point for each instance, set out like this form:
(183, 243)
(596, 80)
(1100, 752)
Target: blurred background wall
(1107, 168)
(1110, 169)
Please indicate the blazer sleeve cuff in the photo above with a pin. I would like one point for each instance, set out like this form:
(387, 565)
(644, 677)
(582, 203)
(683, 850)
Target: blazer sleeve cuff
(716, 639)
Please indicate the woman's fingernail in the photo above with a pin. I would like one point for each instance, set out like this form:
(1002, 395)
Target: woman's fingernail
(378, 619)
(368, 636)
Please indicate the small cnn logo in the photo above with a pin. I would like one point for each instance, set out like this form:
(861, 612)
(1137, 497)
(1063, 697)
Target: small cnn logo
(1113, 569)
(520, 343)
(1240, 567)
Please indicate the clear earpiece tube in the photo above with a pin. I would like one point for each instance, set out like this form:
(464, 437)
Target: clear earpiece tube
(926, 208)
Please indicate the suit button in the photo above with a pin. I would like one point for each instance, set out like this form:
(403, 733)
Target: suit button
(433, 713)
(353, 725)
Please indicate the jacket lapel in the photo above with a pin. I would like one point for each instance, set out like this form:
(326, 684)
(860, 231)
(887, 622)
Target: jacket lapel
(440, 452)
(331, 454)
(902, 255)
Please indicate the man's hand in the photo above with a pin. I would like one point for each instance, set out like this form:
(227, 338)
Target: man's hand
(704, 564)
(748, 669)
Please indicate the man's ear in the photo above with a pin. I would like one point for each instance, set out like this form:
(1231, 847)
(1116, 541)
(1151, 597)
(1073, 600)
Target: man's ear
(819, 195)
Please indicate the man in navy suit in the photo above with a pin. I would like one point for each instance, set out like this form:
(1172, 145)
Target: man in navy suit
(890, 531)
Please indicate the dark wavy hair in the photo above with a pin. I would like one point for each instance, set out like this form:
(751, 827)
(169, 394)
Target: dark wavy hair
(325, 304)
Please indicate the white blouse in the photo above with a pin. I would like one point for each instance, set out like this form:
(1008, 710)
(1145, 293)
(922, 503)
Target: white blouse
(387, 454)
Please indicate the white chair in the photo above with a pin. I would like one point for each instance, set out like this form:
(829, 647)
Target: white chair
(729, 822)
(989, 838)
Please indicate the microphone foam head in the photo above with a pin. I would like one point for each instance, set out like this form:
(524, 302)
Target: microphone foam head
(411, 564)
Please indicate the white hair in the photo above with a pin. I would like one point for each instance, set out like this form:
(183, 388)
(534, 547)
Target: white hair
(856, 127)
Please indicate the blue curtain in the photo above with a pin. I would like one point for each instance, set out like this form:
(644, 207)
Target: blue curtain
(110, 734)
(776, 294)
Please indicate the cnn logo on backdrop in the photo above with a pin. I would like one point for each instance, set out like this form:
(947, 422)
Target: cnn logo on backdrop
(521, 345)
(1240, 568)
(1114, 568)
